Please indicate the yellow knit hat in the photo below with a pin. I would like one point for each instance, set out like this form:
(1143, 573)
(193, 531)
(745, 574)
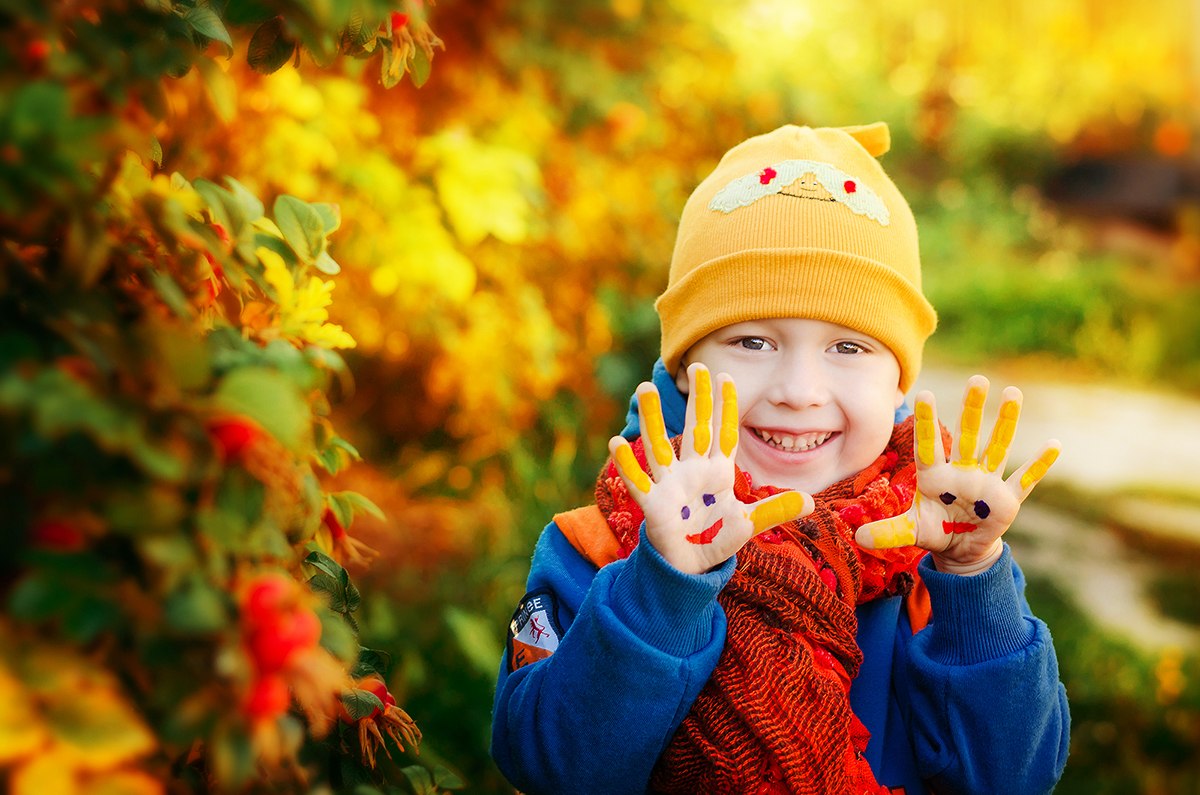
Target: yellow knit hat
(799, 222)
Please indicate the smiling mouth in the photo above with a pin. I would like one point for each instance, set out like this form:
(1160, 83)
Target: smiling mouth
(793, 443)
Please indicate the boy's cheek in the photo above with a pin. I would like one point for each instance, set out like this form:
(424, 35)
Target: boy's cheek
(681, 376)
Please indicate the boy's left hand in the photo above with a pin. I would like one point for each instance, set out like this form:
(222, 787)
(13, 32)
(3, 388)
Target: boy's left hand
(962, 507)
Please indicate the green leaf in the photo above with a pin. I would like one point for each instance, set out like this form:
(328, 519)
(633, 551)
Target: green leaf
(301, 225)
(331, 215)
(270, 48)
(171, 294)
(420, 68)
(392, 66)
(233, 758)
(206, 22)
(319, 560)
(196, 608)
(419, 779)
(327, 264)
(476, 638)
(331, 588)
(343, 511)
(250, 204)
(156, 153)
(338, 638)
(360, 703)
(446, 778)
(271, 400)
(183, 355)
(371, 661)
(358, 503)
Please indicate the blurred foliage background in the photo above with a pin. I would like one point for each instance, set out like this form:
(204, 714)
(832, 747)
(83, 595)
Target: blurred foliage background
(504, 229)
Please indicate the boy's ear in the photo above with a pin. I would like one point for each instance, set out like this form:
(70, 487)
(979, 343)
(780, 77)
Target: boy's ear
(681, 378)
(899, 397)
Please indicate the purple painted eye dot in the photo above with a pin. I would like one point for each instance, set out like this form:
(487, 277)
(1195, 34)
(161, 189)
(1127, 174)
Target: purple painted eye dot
(947, 497)
(981, 509)
(685, 512)
(709, 499)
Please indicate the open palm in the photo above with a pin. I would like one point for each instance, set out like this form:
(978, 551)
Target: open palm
(963, 506)
(693, 518)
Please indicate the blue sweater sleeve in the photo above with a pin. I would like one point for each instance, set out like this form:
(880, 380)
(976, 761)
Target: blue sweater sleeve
(988, 713)
(639, 641)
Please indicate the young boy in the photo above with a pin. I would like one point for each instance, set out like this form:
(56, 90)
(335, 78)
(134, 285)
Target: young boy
(749, 606)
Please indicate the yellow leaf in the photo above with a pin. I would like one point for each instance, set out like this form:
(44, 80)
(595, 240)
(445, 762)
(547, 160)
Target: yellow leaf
(45, 773)
(21, 732)
(277, 274)
(96, 726)
(485, 189)
(124, 782)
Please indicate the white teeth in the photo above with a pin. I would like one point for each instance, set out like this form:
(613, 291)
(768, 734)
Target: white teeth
(793, 444)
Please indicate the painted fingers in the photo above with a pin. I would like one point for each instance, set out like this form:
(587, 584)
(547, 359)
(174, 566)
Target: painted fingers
(995, 454)
(707, 407)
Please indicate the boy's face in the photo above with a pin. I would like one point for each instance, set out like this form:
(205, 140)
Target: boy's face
(817, 400)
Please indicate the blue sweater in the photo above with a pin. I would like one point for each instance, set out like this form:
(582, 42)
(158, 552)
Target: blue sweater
(970, 704)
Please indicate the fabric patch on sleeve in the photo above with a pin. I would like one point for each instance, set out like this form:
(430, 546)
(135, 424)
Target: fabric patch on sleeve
(534, 632)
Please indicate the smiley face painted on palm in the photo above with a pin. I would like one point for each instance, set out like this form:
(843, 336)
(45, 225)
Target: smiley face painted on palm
(980, 509)
(710, 533)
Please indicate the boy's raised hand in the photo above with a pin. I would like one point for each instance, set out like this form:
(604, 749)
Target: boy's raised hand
(693, 518)
(963, 507)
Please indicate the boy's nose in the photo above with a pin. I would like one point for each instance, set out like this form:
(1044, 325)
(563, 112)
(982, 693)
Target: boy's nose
(800, 387)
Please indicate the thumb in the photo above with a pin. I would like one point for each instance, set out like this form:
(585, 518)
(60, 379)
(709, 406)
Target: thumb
(898, 531)
(779, 508)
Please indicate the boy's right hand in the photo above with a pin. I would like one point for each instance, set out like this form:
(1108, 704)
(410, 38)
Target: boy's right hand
(693, 518)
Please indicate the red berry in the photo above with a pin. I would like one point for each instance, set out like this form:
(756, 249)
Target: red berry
(850, 187)
(267, 700)
(57, 535)
(35, 54)
(273, 645)
(233, 435)
(377, 688)
(335, 527)
(267, 596)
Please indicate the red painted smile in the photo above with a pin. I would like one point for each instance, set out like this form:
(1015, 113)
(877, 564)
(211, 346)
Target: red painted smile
(958, 527)
(708, 535)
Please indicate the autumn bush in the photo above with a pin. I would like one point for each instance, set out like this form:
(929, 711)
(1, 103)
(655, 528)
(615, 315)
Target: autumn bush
(178, 616)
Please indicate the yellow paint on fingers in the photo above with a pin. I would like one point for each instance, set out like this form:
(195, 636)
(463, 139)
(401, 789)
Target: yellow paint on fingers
(702, 437)
(656, 429)
(629, 467)
(1002, 435)
(972, 418)
(1038, 469)
(899, 531)
(786, 506)
(925, 430)
(729, 418)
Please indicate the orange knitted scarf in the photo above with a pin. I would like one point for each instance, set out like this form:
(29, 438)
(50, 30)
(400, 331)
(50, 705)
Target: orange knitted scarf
(775, 715)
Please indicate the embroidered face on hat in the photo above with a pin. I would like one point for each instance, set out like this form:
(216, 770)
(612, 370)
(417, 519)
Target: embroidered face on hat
(802, 179)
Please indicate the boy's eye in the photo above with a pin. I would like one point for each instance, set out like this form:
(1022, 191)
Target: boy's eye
(849, 347)
(753, 343)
